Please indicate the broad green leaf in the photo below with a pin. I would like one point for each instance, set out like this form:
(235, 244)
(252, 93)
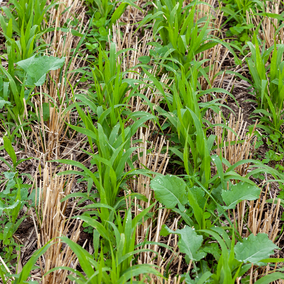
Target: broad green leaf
(165, 231)
(9, 175)
(38, 67)
(189, 242)
(169, 190)
(198, 193)
(197, 280)
(272, 260)
(254, 248)
(239, 192)
(144, 59)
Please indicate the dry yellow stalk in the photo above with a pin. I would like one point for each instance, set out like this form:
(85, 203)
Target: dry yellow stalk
(269, 26)
(56, 86)
(229, 148)
(54, 223)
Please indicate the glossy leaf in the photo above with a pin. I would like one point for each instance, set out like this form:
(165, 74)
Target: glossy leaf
(239, 192)
(170, 191)
(254, 248)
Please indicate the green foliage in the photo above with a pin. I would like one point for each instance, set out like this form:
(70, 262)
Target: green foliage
(22, 31)
(105, 13)
(232, 259)
(254, 249)
(26, 24)
(268, 87)
(12, 200)
(109, 91)
(266, 69)
(182, 36)
(185, 115)
(239, 13)
(112, 259)
(27, 11)
(270, 278)
(36, 68)
(189, 242)
(239, 192)
(201, 194)
(114, 152)
(172, 191)
(23, 276)
(14, 92)
(169, 190)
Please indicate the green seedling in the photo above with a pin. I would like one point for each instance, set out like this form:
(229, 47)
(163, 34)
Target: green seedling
(12, 200)
(267, 79)
(184, 38)
(181, 35)
(26, 11)
(22, 31)
(26, 24)
(15, 94)
(23, 276)
(234, 260)
(112, 259)
(239, 16)
(268, 87)
(109, 90)
(114, 152)
(185, 116)
(105, 14)
(174, 192)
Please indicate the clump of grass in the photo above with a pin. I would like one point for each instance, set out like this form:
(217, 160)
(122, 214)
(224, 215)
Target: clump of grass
(165, 187)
